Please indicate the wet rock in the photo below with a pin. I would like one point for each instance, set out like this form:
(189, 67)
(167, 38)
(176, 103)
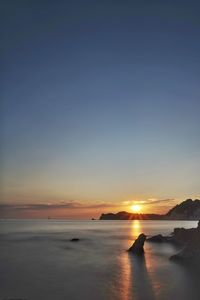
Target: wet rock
(138, 245)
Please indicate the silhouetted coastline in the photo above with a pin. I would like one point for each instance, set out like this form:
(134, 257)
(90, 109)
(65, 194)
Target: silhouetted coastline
(186, 210)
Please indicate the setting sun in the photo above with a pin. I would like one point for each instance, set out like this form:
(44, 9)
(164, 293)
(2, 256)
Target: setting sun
(136, 208)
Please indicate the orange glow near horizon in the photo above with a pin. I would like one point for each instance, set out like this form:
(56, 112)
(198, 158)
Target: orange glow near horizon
(56, 209)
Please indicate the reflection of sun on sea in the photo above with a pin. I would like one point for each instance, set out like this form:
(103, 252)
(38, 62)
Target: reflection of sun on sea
(135, 225)
(124, 290)
(135, 228)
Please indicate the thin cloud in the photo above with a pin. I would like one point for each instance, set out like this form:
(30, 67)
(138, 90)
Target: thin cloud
(151, 201)
(158, 201)
(45, 206)
(77, 205)
(37, 206)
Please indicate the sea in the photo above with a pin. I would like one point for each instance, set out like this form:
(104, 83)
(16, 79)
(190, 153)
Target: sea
(39, 262)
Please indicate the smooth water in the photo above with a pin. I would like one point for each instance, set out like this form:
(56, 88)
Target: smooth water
(38, 262)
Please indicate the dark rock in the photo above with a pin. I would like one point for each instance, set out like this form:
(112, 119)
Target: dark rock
(74, 240)
(137, 247)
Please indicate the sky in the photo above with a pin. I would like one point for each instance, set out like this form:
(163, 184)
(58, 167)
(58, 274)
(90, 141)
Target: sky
(101, 105)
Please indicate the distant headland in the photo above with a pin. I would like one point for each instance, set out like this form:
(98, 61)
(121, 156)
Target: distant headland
(186, 210)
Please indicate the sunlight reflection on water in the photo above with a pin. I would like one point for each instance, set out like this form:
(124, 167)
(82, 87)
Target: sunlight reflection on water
(136, 228)
(124, 276)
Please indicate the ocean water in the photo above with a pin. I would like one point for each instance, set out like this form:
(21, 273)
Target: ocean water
(38, 262)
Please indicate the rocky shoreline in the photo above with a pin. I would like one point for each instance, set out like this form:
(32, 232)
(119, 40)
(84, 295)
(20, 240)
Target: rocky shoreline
(187, 239)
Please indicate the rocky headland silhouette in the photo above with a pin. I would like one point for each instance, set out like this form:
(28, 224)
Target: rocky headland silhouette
(186, 210)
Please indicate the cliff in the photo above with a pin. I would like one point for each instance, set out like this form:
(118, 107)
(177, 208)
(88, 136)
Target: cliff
(186, 210)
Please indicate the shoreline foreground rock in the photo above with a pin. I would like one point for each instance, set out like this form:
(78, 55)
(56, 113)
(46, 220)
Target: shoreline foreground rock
(138, 245)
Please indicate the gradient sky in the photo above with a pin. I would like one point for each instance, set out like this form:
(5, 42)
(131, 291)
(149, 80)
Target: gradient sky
(101, 106)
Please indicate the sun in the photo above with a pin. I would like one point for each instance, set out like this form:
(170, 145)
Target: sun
(136, 208)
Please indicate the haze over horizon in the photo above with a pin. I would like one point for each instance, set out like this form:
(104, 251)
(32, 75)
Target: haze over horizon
(101, 106)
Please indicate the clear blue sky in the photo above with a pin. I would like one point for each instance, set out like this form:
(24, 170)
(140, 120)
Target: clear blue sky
(101, 100)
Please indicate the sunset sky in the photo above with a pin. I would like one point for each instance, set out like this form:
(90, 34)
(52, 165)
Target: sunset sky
(101, 106)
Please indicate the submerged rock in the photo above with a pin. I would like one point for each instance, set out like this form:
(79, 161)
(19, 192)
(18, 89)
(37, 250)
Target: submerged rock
(74, 240)
(137, 247)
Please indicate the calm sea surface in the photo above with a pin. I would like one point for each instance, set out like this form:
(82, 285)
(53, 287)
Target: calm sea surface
(38, 261)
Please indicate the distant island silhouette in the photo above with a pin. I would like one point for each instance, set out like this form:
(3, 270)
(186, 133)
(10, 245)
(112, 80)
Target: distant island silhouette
(186, 210)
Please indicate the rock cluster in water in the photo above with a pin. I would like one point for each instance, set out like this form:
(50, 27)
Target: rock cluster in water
(188, 239)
